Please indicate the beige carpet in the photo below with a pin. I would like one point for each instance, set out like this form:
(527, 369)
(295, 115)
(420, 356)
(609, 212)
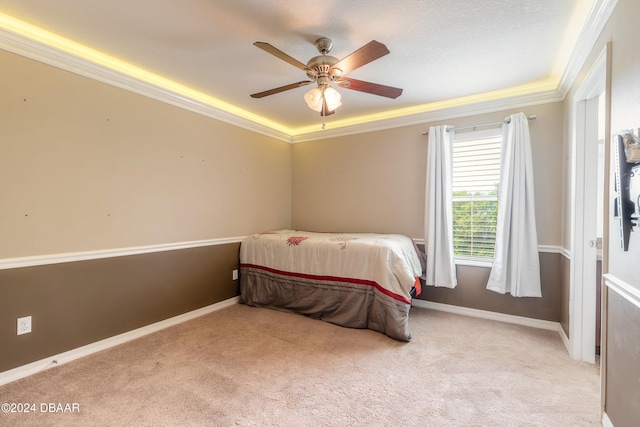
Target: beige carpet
(244, 366)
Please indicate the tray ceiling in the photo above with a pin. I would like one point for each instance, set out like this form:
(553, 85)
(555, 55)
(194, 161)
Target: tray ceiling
(441, 53)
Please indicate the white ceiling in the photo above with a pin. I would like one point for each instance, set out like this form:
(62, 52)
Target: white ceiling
(440, 50)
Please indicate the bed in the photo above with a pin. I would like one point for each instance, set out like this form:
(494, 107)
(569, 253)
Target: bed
(355, 280)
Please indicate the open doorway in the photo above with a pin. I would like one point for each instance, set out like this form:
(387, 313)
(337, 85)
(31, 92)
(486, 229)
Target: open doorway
(588, 231)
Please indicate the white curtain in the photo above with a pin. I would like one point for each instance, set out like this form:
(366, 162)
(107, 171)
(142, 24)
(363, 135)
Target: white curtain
(441, 269)
(516, 265)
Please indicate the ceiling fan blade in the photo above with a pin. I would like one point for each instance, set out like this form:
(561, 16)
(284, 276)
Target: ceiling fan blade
(367, 53)
(281, 89)
(280, 54)
(368, 87)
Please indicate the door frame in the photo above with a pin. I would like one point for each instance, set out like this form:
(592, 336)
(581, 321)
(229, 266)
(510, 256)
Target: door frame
(582, 300)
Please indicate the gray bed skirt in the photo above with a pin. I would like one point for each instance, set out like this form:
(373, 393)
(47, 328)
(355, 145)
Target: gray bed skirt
(348, 303)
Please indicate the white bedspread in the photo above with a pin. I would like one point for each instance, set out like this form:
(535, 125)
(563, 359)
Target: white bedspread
(388, 262)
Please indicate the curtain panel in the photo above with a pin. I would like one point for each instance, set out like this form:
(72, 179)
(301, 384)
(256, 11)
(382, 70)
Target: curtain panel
(516, 264)
(441, 268)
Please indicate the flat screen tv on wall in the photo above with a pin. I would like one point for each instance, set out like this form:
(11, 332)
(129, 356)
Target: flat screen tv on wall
(627, 185)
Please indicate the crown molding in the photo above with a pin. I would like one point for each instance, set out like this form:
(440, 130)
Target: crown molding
(596, 21)
(435, 115)
(24, 46)
(601, 11)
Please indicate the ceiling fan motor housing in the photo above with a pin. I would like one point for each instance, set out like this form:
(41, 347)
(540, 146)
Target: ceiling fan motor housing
(324, 45)
(320, 69)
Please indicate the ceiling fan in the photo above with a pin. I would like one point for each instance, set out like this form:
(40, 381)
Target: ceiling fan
(325, 69)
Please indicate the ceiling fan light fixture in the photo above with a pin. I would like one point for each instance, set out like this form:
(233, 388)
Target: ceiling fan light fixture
(313, 98)
(332, 98)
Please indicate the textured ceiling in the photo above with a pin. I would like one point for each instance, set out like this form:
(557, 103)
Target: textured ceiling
(440, 50)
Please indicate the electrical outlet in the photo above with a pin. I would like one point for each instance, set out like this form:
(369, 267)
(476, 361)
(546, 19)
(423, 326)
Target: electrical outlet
(24, 325)
(235, 275)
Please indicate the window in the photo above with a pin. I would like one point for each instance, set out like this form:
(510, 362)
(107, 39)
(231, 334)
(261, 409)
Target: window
(476, 178)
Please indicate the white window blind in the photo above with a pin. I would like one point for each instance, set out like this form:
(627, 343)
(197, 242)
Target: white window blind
(476, 178)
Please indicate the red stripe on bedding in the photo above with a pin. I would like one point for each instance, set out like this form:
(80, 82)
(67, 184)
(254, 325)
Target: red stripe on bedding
(387, 292)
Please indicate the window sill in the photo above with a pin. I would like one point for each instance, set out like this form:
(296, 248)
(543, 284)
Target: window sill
(473, 262)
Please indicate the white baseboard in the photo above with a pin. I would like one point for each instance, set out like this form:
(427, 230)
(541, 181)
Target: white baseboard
(606, 422)
(62, 358)
(564, 338)
(500, 317)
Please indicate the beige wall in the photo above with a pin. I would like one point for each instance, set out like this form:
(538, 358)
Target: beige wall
(623, 362)
(376, 181)
(620, 360)
(372, 182)
(472, 292)
(625, 114)
(622, 395)
(73, 304)
(86, 166)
